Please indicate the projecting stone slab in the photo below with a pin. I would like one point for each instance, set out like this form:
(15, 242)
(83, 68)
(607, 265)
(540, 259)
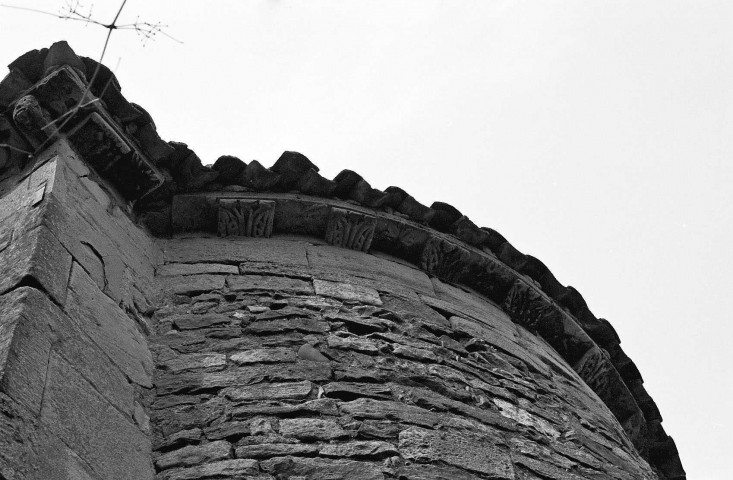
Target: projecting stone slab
(347, 292)
(267, 282)
(464, 450)
(264, 355)
(102, 436)
(270, 391)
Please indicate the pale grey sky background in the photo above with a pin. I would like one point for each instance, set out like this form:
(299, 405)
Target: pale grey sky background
(594, 135)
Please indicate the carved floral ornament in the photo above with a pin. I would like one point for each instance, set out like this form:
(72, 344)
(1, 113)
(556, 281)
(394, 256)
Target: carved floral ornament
(245, 218)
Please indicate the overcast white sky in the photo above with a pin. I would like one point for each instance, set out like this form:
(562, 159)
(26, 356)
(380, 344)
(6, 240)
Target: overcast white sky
(594, 135)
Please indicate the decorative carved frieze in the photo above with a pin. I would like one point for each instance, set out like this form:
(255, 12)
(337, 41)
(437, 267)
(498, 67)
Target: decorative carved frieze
(61, 103)
(595, 369)
(527, 307)
(444, 260)
(113, 157)
(245, 218)
(350, 229)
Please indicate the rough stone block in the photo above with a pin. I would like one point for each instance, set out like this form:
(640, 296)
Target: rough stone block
(464, 450)
(196, 321)
(194, 455)
(347, 292)
(264, 355)
(269, 450)
(384, 410)
(238, 468)
(194, 361)
(270, 391)
(311, 429)
(358, 448)
(322, 469)
(305, 325)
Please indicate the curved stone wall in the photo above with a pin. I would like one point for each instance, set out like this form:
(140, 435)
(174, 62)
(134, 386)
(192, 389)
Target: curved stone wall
(370, 336)
(289, 357)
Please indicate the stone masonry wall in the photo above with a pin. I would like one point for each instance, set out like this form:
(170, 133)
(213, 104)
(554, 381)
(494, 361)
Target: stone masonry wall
(74, 362)
(289, 358)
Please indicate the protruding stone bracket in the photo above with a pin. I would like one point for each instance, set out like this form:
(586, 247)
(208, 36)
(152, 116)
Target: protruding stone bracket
(444, 259)
(61, 104)
(350, 229)
(245, 218)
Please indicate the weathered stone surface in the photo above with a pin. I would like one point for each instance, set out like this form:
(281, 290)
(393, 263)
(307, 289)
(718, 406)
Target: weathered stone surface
(375, 271)
(37, 255)
(358, 344)
(191, 284)
(194, 454)
(347, 292)
(273, 251)
(470, 451)
(195, 361)
(237, 468)
(25, 346)
(194, 322)
(348, 229)
(245, 218)
(125, 454)
(270, 391)
(267, 282)
(353, 390)
(434, 472)
(269, 450)
(311, 429)
(382, 410)
(264, 355)
(310, 353)
(171, 269)
(108, 327)
(294, 467)
(306, 325)
(371, 449)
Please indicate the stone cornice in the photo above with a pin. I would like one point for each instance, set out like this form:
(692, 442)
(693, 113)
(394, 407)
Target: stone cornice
(234, 197)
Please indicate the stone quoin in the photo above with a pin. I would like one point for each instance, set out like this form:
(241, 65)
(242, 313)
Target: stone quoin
(164, 319)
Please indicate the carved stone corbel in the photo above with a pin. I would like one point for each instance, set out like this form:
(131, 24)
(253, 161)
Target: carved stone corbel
(245, 218)
(350, 229)
(444, 260)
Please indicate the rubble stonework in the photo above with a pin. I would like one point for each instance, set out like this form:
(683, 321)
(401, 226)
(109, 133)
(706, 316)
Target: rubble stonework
(160, 318)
